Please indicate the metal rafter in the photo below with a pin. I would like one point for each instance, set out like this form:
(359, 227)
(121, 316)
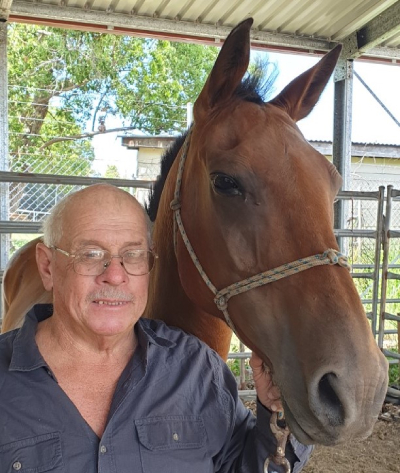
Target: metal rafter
(375, 32)
(121, 23)
(5, 6)
(365, 40)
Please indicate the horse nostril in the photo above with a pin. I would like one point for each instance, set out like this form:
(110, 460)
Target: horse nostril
(332, 408)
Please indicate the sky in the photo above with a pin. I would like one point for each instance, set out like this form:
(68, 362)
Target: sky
(371, 124)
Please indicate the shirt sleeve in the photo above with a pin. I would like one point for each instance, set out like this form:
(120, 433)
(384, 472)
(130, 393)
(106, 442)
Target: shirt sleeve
(249, 441)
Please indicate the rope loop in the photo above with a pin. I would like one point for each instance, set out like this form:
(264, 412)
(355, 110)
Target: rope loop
(175, 204)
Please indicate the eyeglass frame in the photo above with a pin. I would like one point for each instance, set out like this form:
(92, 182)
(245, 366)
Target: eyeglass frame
(107, 264)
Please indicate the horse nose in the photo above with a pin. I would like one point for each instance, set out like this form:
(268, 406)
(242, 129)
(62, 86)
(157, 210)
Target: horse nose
(332, 400)
(327, 402)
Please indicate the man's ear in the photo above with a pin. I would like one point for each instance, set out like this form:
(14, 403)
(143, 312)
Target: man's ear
(44, 256)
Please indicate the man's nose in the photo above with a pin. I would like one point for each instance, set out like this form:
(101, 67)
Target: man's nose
(115, 272)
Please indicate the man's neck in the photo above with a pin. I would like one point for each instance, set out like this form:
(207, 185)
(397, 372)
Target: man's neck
(58, 339)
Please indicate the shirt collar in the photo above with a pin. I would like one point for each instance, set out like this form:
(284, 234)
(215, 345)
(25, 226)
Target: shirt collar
(147, 334)
(26, 355)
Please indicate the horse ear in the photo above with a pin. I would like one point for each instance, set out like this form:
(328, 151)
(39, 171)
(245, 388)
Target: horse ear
(228, 70)
(300, 96)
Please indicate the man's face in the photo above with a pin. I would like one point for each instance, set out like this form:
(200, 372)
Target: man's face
(111, 303)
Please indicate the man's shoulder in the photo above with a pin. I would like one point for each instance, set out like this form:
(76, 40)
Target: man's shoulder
(6, 347)
(7, 338)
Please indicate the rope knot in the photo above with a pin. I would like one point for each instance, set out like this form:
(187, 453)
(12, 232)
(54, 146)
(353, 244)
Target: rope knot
(221, 302)
(332, 256)
(337, 258)
(175, 204)
(342, 261)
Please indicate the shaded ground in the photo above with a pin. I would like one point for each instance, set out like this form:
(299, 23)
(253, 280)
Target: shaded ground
(380, 453)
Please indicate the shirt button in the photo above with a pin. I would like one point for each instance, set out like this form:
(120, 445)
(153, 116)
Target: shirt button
(17, 465)
(103, 449)
(175, 437)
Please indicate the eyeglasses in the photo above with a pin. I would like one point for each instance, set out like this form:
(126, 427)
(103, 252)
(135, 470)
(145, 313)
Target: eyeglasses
(92, 262)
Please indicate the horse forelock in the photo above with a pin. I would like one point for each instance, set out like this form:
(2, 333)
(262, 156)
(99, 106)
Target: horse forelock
(258, 86)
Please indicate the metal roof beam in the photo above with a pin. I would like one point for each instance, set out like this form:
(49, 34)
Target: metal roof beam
(365, 40)
(375, 32)
(121, 23)
(64, 16)
(5, 6)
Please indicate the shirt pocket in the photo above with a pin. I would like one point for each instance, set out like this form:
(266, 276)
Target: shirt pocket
(32, 455)
(173, 444)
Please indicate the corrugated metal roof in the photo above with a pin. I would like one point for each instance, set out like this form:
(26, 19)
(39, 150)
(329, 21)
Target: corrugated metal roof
(293, 24)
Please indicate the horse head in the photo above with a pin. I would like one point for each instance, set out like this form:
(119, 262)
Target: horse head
(254, 195)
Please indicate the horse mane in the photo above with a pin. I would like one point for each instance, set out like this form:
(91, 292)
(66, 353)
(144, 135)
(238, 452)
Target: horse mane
(255, 87)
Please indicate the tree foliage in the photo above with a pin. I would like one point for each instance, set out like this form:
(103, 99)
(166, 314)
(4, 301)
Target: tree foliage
(66, 86)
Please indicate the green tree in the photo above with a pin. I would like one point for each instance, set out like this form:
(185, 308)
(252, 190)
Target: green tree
(63, 80)
(112, 172)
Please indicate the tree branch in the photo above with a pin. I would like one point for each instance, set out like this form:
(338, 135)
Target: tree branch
(83, 136)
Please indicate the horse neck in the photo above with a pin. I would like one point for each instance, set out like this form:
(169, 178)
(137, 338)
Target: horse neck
(167, 298)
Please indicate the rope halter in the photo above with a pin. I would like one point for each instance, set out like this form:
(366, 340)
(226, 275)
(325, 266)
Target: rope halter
(221, 297)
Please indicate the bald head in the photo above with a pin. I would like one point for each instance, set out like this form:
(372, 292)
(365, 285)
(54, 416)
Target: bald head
(93, 198)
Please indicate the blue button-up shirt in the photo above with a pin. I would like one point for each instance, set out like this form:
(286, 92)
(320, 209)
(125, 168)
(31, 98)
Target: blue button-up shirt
(175, 410)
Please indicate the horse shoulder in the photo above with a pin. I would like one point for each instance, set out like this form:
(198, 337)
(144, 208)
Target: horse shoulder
(22, 286)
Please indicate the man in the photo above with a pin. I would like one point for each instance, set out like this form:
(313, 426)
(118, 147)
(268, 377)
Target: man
(88, 386)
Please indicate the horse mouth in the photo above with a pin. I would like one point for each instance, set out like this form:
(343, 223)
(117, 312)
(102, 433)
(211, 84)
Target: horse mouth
(296, 429)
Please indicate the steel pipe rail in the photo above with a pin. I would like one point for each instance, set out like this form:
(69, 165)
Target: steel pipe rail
(61, 179)
(239, 355)
(358, 195)
(355, 233)
(392, 354)
(7, 226)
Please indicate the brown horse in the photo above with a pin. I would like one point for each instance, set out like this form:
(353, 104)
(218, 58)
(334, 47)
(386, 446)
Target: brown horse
(252, 195)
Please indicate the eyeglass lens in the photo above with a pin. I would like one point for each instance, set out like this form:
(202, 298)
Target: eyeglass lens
(95, 262)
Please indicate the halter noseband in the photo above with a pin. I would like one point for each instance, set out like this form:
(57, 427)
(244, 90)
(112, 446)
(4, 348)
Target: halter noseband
(330, 256)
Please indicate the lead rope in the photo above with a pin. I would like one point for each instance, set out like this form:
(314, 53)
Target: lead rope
(281, 434)
(329, 257)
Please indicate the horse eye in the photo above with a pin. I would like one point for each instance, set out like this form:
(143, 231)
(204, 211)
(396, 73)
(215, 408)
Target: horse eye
(225, 185)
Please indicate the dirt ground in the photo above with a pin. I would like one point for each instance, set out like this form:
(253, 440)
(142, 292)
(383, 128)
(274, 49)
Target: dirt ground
(380, 453)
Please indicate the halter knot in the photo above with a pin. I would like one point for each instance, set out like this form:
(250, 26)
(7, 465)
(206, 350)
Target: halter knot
(221, 302)
(175, 204)
(337, 258)
(332, 256)
(342, 261)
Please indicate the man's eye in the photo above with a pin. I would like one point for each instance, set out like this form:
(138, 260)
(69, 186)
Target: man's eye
(135, 256)
(92, 255)
(225, 185)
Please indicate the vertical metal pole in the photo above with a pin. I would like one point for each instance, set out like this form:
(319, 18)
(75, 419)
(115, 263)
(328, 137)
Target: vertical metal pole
(242, 372)
(189, 114)
(385, 266)
(4, 159)
(377, 260)
(341, 146)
